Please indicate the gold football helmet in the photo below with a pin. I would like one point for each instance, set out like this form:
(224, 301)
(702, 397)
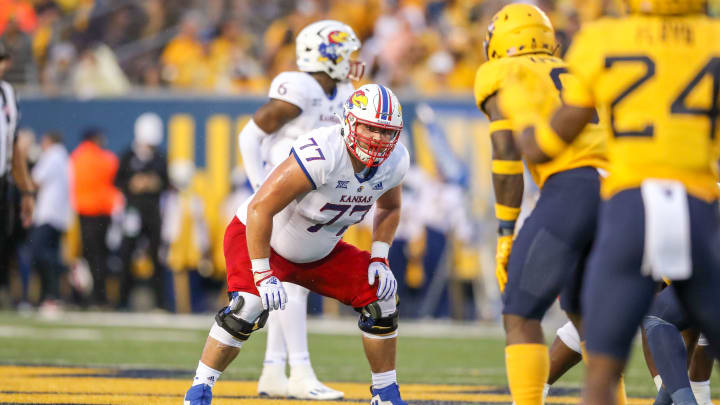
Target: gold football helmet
(519, 29)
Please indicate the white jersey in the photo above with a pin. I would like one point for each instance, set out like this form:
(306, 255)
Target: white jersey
(318, 110)
(309, 227)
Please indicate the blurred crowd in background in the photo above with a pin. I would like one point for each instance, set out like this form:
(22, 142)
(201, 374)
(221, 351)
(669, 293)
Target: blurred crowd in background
(93, 48)
(137, 234)
(131, 232)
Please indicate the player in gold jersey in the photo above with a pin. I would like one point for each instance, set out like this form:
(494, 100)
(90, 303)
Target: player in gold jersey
(655, 76)
(548, 255)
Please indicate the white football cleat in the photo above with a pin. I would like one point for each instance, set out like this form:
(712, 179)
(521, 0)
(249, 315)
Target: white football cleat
(303, 384)
(273, 382)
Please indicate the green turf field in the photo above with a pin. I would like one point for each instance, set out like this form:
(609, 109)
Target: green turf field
(175, 352)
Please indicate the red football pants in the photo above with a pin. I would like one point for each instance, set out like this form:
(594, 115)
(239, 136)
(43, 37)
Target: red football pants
(342, 274)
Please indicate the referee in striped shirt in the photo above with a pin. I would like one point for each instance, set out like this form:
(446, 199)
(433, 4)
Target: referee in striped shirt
(13, 161)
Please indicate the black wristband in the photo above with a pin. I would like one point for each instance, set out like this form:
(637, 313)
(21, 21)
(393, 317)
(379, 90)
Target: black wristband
(506, 228)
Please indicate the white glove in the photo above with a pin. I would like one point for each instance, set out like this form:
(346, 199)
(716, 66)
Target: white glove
(272, 293)
(387, 285)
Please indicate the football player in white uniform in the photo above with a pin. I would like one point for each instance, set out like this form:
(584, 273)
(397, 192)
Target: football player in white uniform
(299, 102)
(290, 230)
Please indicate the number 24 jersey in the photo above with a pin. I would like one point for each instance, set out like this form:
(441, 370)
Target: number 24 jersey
(656, 81)
(308, 229)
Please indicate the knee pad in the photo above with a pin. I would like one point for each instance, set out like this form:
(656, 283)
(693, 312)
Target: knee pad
(666, 306)
(702, 341)
(242, 316)
(569, 335)
(379, 319)
(649, 322)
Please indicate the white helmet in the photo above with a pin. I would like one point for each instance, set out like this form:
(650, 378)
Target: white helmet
(181, 172)
(326, 46)
(149, 129)
(376, 106)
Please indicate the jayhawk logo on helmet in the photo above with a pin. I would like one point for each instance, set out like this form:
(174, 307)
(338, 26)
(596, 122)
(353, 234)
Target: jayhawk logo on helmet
(338, 37)
(327, 46)
(358, 99)
(329, 50)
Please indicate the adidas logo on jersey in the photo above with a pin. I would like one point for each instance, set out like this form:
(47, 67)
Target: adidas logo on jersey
(329, 118)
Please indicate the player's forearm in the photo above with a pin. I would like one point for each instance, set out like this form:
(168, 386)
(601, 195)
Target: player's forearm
(508, 189)
(530, 144)
(541, 141)
(20, 171)
(385, 224)
(249, 139)
(507, 174)
(259, 230)
(508, 198)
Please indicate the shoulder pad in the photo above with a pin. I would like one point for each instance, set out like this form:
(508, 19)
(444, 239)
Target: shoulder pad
(488, 79)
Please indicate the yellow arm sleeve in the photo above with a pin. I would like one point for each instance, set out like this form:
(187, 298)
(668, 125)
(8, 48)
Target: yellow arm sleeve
(506, 213)
(507, 167)
(500, 125)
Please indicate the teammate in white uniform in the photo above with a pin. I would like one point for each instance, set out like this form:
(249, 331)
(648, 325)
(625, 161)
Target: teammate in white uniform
(299, 102)
(290, 230)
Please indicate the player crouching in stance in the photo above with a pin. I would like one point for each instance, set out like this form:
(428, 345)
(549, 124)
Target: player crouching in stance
(298, 103)
(290, 231)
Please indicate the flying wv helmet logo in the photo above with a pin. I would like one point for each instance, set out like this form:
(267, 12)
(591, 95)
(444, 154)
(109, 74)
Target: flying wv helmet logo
(329, 50)
(358, 99)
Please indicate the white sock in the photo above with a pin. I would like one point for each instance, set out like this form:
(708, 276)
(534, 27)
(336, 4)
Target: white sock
(701, 390)
(546, 390)
(299, 359)
(276, 351)
(658, 382)
(275, 359)
(205, 375)
(293, 321)
(382, 380)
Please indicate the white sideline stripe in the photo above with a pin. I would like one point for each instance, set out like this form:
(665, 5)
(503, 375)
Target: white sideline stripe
(57, 334)
(27, 332)
(326, 326)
